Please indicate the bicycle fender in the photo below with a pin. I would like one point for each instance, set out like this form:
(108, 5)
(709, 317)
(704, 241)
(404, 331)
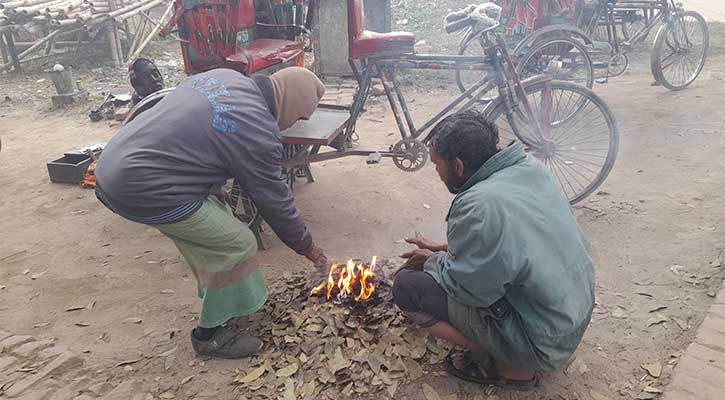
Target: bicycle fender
(565, 30)
(146, 103)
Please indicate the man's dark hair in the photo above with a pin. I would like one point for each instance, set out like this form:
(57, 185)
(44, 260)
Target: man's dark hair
(468, 136)
(138, 63)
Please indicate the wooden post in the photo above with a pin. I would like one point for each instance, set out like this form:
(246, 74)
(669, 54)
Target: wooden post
(113, 39)
(112, 46)
(140, 29)
(49, 46)
(12, 52)
(119, 48)
(3, 49)
(153, 33)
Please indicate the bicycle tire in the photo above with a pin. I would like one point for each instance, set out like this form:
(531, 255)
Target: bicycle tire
(630, 29)
(539, 46)
(243, 206)
(496, 111)
(663, 42)
(458, 74)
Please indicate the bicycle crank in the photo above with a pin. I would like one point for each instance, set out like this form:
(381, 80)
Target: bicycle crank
(618, 63)
(411, 154)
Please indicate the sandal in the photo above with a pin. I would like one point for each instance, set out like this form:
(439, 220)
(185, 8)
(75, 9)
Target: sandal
(480, 368)
(227, 343)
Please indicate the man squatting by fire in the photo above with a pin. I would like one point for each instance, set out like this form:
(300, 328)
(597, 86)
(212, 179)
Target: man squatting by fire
(166, 169)
(514, 284)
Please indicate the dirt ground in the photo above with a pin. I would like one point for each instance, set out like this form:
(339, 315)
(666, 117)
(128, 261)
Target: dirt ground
(656, 229)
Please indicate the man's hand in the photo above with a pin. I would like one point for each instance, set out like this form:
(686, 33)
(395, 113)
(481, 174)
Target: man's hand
(425, 244)
(416, 259)
(317, 256)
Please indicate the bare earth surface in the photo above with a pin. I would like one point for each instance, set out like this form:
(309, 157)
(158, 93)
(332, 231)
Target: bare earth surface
(656, 229)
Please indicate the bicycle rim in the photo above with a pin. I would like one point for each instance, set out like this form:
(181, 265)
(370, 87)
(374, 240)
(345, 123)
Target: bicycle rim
(465, 79)
(583, 135)
(680, 51)
(634, 23)
(242, 205)
(564, 59)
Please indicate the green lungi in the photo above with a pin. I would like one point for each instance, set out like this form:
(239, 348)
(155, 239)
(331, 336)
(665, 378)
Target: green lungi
(220, 250)
(505, 338)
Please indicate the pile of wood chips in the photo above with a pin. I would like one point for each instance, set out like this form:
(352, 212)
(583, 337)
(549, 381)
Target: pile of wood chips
(323, 350)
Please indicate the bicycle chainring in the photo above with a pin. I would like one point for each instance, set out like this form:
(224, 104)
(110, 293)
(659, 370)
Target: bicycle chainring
(618, 63)
(416, 154)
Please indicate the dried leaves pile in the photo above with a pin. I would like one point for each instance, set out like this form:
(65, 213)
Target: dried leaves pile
(322, 350)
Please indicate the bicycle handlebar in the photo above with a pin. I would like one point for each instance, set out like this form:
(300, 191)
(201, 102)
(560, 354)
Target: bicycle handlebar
(485, 17)
(459, 24)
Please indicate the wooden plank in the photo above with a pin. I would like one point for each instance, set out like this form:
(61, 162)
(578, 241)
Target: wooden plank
(320, 129)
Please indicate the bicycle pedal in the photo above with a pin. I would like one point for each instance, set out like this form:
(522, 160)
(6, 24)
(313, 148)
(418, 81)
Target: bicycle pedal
(374, 158)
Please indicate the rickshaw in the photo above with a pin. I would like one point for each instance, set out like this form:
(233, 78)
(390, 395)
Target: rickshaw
(563, 37)
(544, 37)
(680, 46)
(566, 125)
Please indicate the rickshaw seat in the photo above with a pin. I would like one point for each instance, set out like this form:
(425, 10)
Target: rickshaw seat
(369, 42)
(363, 43)
(263, 53)
(224, 34)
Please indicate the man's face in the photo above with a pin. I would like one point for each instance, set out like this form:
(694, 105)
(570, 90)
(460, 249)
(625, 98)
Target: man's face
(451, 173)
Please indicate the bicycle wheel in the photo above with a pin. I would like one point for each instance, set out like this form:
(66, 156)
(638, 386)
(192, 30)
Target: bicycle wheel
(563, 58)
(242, 205)
(680, 50)
(599, 33)
(465, 79)
(581, 135)
(633, 22)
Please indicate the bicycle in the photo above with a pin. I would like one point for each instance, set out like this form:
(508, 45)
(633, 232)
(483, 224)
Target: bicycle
(540, 112)
(558, 47)
(680, 47)
(567, 126)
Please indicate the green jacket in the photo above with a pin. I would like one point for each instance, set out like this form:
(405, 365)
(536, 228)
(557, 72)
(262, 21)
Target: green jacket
(512, 234)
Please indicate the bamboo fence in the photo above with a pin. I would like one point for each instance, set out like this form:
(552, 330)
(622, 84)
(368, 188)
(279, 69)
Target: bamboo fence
(40, 31)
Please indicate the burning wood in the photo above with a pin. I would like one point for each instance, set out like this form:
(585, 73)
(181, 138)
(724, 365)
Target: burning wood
(352, 281)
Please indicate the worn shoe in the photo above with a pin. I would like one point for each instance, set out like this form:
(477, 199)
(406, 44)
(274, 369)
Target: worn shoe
(227, 344)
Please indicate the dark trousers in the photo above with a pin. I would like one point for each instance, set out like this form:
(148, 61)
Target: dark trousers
(420, 297)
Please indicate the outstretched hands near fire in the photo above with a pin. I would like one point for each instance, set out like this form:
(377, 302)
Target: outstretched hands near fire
(415, 259)
(425, 244)
(317, 256)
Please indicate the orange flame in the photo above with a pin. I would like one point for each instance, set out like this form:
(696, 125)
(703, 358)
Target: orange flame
(347, 277)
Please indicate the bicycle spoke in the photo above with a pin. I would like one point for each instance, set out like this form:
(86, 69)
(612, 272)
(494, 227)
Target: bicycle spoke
(561, 183)
(582, 153)
(586, 178)
(565, 178)
(583, 163)
(584, 167)
(584, 139)
(576, 126)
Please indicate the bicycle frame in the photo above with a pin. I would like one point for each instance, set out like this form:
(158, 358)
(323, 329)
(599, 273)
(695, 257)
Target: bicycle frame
(384, 70)
(493, 65)
(662, 14)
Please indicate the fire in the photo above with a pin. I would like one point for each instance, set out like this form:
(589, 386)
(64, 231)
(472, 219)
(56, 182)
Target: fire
(346, 278)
